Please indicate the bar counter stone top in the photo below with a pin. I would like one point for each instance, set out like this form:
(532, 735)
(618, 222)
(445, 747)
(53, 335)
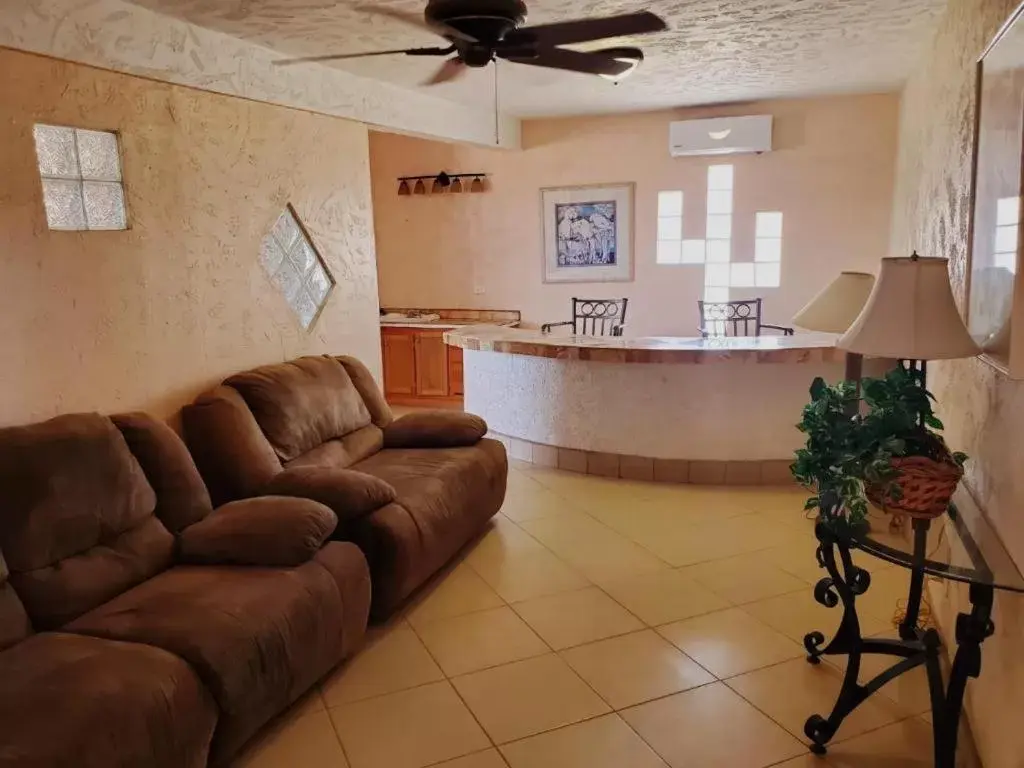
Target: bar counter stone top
(800, 348)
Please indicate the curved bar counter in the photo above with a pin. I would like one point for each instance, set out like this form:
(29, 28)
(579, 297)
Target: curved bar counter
(664, 408)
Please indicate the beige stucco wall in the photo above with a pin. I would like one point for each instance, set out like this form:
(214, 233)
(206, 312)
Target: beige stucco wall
(145, 319)
(831, 175)
(983, 411)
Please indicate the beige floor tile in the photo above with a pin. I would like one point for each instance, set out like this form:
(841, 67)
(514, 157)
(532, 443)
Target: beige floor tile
(290, 741)
(635, 668)
(658, 597)
(455, 593)
(502, 538)
(591, 547)
(796, 614)
(520, 575)
(711, 727)
(538, 504)
(744, 579)
(490, 758)
(393, 661)
(809, 690)
(573, 618)
(907, 744)
(478, 640)
(604, 742)
(887, 594)
(521, 699)
(731, 642)
(409, 729)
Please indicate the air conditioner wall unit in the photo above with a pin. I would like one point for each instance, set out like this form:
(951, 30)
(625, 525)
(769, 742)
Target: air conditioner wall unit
(721, 136)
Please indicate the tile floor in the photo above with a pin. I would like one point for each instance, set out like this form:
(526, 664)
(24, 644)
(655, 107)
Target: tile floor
(609, 624)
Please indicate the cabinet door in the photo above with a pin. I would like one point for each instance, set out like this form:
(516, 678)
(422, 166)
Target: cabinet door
(431, 364)
(455, 371)
(399, 362)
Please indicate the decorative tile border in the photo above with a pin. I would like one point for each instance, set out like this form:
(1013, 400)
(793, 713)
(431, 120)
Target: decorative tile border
(678, 471)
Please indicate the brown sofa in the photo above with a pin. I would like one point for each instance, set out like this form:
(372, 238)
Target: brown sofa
(409, 491)
(139, 627)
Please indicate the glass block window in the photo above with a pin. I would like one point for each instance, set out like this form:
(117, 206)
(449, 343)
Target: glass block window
(81, 175)
(295, 266)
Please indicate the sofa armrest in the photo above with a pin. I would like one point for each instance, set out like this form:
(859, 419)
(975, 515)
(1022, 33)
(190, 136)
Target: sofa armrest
(434, 429)
(272, 531)
(350, 494)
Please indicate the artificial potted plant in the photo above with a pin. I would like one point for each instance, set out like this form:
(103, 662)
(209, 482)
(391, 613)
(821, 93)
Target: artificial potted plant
(890, 455)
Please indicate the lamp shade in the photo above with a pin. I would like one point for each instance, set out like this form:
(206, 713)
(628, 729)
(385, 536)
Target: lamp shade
(835, 308)
(911, 314)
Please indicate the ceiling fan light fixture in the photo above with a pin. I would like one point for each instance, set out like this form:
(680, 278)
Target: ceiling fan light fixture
(420, 188)
(632, 56)
(456, 186)
(403, 188)
(477, 185)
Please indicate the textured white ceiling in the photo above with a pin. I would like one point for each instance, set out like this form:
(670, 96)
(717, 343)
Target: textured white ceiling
(716, 51)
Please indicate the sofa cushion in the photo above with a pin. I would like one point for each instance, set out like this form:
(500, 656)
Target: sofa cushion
(434, 429)
(68, 701)
(257, 637)
(379, 409)
(14, 623)
(181, 495)
(343, 452)
(349, 493)
(275, 531)
(77, 526)
(302, 403)
(444, 498)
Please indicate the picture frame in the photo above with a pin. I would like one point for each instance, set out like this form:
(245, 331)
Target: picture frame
(588, 233)
(995, 255)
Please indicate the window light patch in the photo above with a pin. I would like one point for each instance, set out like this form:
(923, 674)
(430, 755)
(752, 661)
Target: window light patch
(293, 264)
(81, 178)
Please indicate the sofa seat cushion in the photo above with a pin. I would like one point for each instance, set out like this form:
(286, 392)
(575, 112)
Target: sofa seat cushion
(257, 637)
(302, 404)
(68, 701)
(444, 498)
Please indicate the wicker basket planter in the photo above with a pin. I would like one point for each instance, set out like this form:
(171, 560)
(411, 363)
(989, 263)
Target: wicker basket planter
(925, 487)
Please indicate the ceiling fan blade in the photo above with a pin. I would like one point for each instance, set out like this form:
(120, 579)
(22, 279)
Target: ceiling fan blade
(343, 56)
(584, 30)
(450, 70)
(574, 61)
(417, 20)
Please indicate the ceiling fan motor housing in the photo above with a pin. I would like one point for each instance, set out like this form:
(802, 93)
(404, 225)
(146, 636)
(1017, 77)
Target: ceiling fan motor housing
(488, 21)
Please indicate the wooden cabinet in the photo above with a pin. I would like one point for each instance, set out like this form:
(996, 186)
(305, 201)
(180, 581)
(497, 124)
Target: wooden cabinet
(420, 369)
(431, 364)
(399, 348)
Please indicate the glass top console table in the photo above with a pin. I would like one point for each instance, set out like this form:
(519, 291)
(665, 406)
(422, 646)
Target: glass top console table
(960, 546)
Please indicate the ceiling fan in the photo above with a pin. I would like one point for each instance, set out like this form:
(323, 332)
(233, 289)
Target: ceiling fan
(479, 31)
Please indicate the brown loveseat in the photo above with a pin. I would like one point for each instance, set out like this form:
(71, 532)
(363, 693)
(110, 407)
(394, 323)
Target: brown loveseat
(409, 491)
(125, 640)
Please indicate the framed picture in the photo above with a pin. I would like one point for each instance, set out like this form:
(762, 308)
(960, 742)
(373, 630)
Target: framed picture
(588, 234)
(995, 226)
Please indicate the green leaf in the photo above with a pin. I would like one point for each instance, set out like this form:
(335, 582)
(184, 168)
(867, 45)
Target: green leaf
(818, 388)
(933, 422)
(812, 503)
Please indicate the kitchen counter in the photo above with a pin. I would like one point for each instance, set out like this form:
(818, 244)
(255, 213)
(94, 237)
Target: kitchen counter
(446, 324)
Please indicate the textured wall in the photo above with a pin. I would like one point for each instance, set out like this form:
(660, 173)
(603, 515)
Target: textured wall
(830, 174)
(982, 409)
(148, 317)
(125, 37)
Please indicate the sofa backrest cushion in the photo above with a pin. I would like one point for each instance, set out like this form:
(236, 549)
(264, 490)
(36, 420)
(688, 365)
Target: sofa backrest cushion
(371, 393)
(76, 517)
(14, 623)
(181, 495)
(302, 404)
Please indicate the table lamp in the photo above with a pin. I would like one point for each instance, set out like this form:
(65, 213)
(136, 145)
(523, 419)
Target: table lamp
(911, 316)
(835, 308)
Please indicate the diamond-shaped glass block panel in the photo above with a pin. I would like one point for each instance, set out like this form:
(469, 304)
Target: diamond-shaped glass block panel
(98, 156)
(55, 151)
(296, 268)
(64, 206)
(104, 205)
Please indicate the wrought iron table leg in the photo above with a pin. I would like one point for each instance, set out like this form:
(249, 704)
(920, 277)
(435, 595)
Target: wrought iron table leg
(971, 631)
